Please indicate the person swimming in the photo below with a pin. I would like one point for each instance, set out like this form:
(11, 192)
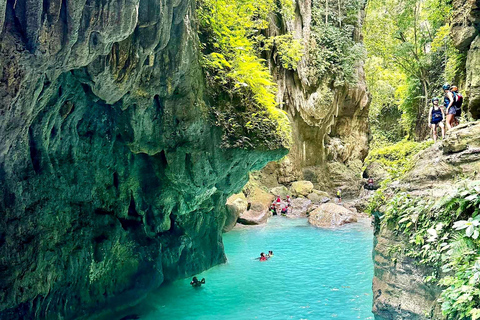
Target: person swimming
(270, 254)
(263, 257)
(196, 283)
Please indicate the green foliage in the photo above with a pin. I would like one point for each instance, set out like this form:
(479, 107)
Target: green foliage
(289, 50)
(287, 8)
(238, 80)
(333, 50)
(438, 236)
(397, 158)
(407, 64)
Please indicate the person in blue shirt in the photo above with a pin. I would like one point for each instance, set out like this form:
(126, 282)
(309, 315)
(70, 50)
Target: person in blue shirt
(435, 119)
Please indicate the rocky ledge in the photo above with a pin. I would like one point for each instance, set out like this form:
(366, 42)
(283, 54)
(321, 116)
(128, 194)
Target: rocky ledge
(398, 286)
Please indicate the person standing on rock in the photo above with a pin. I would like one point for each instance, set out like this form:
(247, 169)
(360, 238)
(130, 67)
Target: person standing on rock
(435, 118)
(449, 102)
(339, 196)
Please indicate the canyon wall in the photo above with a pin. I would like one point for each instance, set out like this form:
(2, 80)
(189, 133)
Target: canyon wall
(330, 121)
(112, 180)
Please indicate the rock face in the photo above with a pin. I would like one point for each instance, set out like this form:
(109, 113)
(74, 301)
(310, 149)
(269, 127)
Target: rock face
(331, 215)
(111, 178)
(466, 37)
(236, 206)
(398, 287)
(299, 208)
(330, 123)
(259, 201)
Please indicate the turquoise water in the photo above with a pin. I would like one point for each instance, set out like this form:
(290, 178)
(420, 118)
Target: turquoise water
(314, 274)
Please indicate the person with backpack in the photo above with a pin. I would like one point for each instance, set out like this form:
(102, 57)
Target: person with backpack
(435, 118)
(458, 104)
(449, 102)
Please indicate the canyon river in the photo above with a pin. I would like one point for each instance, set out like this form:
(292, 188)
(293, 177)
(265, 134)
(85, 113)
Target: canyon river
(314, 274)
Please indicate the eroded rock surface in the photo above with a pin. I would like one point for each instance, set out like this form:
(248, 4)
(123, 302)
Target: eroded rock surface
(399, 291)
(111, 178)
(398, 287)
(330, 123)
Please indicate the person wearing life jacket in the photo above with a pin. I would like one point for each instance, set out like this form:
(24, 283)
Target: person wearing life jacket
(458, 103)
(449, 102)
(435, 119)
(370, 185)
(288, 199)
(263, 257)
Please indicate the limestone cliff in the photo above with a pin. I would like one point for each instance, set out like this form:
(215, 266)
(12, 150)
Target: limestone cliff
(330, 122)
(399, 289)
(111, 175)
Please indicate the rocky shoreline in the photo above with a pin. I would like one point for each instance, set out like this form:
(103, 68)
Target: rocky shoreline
(253, 206)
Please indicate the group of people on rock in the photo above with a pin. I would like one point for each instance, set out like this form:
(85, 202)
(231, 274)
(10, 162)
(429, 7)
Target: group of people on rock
(279, 206)
(265, 257)
(450, 111)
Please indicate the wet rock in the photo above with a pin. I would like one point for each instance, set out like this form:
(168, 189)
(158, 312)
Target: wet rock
(299, 208)
(236, 205)
(258, 214)
(330, 215)
(259, 203)
(301, 188)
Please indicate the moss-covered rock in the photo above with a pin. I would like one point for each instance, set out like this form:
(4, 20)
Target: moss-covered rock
(301, 188)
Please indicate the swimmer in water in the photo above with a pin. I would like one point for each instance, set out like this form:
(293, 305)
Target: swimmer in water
(196, 283)
(263, 257)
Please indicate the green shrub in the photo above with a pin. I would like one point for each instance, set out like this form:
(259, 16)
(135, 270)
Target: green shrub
(333, 51)
(238, 82)
(397, 158)
(443, 235)
(289, 50)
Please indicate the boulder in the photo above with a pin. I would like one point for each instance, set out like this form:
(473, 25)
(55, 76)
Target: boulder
(281, 191)
(376, 171)
(299, 208)
(318, 196)
(236, 205)
(258, 212)
(330, 215)
(301, 188)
